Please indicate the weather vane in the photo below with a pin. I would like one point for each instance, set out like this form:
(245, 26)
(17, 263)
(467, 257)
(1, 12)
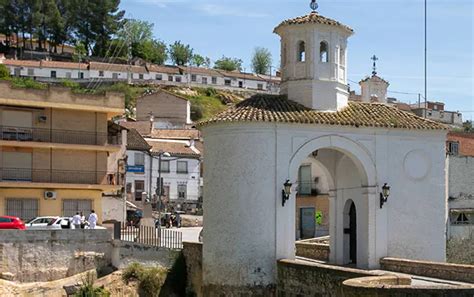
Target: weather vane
(314, 6)
(374, 67)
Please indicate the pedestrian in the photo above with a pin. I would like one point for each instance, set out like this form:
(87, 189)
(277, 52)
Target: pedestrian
(83, 220)
(92, 220)
(77, 221)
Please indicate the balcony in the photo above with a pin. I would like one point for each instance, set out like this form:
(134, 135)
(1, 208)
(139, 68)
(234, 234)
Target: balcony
(57, 136)
(308, 189)
(54, 176)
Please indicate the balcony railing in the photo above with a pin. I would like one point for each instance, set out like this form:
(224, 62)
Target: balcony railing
(57, 136)
(308, 189)
(54, 176)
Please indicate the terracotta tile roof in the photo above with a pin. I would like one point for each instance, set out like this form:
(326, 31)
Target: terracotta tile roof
(200, 71)
(24, 63)
(313, 18)
(154, 92)
(176, 134)
(116, 67)
(273, 108)
(164, 69)
(135, 141)
(174, 148)
(63, 65)
(237, 74)
(142, 127)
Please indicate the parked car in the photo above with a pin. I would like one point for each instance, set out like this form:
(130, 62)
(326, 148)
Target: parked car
(47, 223)
(8, 222)
(166, 217)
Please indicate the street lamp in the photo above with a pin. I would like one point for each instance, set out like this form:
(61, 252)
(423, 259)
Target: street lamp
(286, 192)
(159, 184)
(384, 194)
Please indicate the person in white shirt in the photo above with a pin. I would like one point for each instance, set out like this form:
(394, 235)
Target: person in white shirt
(76, 221)
(92, 220)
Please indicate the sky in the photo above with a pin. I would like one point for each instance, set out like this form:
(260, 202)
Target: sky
(391, 29)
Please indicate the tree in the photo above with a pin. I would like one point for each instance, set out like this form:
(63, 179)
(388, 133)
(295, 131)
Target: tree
(79, 52)
(152, 51)
(228, 64)
(467, 126)
(198, 60)
(138, 31)
(261, 60)
(180, 54)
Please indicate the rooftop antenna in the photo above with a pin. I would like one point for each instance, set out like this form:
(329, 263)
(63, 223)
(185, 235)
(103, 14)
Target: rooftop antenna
(314, 6)
(374, 67)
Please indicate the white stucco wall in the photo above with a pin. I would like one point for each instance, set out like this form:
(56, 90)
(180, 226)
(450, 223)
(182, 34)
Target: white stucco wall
(248, 230)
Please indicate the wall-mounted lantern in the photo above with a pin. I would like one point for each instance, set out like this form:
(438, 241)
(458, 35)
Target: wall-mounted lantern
(286, 192)
(384, 194)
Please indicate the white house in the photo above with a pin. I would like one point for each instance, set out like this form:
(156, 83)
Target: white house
(254, 150)
(180, 170)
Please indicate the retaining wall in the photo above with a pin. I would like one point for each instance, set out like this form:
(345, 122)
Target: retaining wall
(312, 249)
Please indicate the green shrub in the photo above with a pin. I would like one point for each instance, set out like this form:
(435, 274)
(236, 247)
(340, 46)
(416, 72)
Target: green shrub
(70, 84)
(28, 83)
(4, 71)
(151, 281)
(211, 92)
(197, 112)
(133, 271)
(87, 288)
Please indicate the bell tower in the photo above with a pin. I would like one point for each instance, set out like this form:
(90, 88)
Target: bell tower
(314, 61)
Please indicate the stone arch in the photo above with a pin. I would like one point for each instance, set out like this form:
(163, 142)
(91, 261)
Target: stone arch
(359, 155)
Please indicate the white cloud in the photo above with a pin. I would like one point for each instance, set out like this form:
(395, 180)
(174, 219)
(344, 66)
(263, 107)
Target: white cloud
(159, 3)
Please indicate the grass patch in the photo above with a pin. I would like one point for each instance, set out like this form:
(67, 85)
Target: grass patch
(150, 280)
(88, 289)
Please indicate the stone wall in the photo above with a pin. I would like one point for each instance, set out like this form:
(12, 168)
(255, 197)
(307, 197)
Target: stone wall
(125, 253)
(455, 272)
(43, 255)
(193, 256)
(312, 250)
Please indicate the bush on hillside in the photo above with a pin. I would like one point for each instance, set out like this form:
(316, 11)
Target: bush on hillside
(4, 72)
(197, 112)
(88, 289)
(150, 280)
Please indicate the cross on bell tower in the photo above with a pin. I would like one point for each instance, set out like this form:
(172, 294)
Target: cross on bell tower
(374, 67)
(314, 6)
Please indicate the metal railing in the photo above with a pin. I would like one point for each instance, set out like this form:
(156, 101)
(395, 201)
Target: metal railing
(308, 189)
(150, 235)
(53, 176)
(57, 136)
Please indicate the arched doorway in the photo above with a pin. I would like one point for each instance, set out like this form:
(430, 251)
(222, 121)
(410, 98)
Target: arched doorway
(350, 174)
(350, 233)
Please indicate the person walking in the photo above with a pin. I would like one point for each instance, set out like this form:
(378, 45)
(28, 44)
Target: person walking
(76, 221)
(92, 220)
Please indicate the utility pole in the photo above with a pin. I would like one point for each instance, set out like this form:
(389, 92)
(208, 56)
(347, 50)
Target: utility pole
(426, 54)
(129, 54)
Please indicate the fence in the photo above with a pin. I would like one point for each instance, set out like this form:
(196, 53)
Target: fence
(149, 235)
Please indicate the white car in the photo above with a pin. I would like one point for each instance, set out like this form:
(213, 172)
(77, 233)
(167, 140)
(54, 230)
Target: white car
(47, 223)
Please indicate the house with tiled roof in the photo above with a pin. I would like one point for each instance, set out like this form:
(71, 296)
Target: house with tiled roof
(268, 157)
(243, 80)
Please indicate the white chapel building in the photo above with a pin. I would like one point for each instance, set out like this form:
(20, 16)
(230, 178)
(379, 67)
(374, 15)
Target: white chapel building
(256, 147)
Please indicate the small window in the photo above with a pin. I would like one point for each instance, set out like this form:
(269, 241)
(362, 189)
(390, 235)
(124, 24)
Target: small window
(31, 71)
(182, 191)
(139, 189)
(214, 80)
(193, 77)
(165, 166)
(204, 80)
(81, 75)
(227, 82)
(101, 73)
(260, 86)
(342, 56)
(462, 219)
(301, 52)
(115, 75)
(178, 78)
(17, 71)
(241, 84)
(53, 74)
(129, 188)
(170, 78)
(323, 52)
(182, 167)
(68, 74)
(453, 148)
(140, 76)
(139, 159)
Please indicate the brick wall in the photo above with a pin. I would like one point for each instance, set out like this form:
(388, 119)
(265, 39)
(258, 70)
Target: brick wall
(466, 142)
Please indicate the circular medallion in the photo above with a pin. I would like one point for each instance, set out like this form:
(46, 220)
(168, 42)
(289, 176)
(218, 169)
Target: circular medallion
(417, 164)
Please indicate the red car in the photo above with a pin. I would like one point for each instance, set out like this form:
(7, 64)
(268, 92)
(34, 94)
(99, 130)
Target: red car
(8, 222)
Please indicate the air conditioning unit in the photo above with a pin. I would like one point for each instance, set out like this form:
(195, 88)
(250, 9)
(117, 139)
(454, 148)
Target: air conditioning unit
(49, 195)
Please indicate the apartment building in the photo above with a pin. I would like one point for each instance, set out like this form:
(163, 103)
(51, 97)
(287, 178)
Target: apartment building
(54, 148)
